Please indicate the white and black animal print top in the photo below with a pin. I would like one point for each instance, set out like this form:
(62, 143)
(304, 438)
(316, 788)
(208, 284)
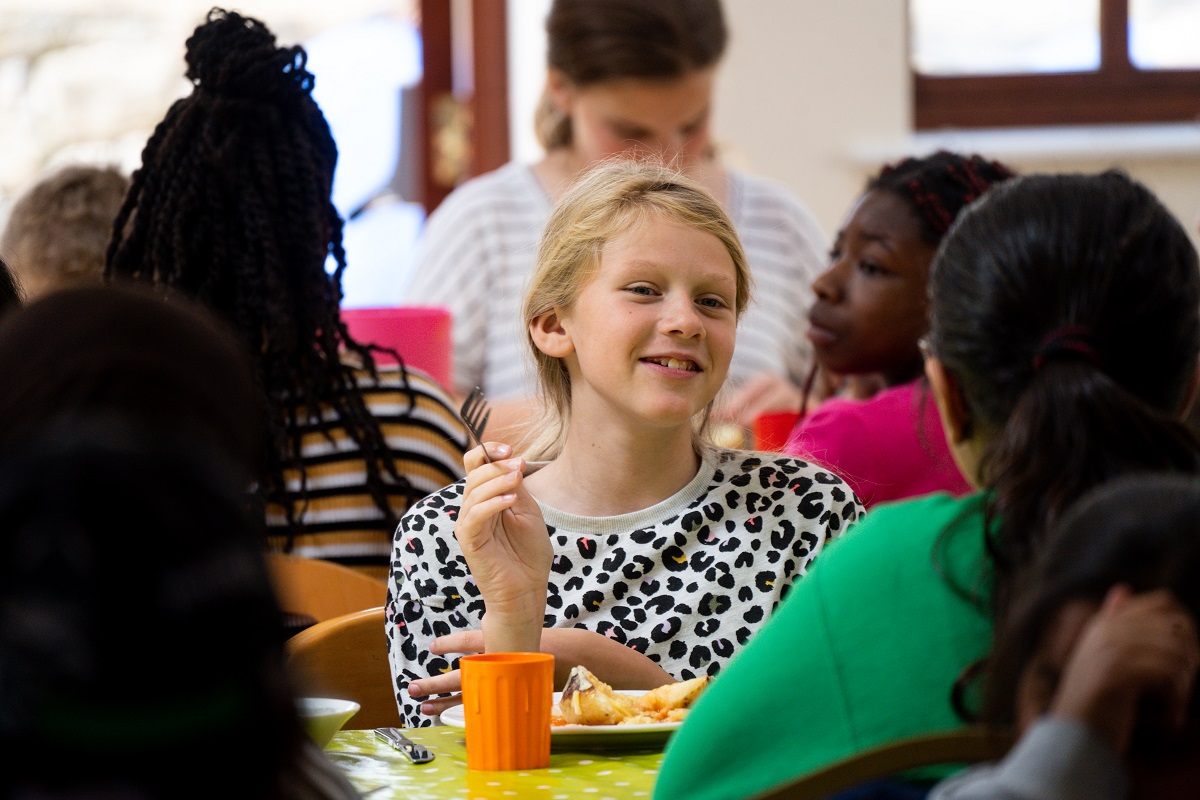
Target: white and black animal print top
(686, 581)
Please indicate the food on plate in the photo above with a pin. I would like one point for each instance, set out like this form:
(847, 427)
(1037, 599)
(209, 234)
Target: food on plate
(587, 700)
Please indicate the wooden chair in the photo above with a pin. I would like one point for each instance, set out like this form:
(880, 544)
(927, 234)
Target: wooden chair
(313, 589)
(967, 745)
(346, 657)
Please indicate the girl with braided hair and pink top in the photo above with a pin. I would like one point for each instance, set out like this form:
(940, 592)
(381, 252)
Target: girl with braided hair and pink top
(871, 309)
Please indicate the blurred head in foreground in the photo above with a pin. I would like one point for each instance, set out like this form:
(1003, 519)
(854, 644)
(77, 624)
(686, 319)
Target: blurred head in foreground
(141, 649)
(130, 354)
(1104, 629)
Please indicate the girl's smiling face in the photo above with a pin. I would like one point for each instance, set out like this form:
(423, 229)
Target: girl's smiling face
(650, 337)
(872, 303)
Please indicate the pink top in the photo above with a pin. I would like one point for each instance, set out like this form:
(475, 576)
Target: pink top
(888, 447)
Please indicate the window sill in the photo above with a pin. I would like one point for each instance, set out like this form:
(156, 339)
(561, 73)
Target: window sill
(1110, 143)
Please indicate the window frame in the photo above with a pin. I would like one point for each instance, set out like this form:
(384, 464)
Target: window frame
(485, 110)
(1116, 92)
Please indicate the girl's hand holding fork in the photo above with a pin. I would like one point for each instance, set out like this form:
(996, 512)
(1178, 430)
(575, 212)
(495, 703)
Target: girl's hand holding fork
(504, 540)
(507, 548)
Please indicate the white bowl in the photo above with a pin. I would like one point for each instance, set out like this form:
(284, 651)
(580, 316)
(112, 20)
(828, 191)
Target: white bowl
(325, 716)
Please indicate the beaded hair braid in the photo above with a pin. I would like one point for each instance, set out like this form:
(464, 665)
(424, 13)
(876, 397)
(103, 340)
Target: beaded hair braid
(939, 186)
(232, 206)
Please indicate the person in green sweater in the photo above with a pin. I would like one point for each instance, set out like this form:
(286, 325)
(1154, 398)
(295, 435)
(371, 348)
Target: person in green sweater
(1065, 331)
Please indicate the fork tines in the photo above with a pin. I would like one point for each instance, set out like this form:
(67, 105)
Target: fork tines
(475, 412)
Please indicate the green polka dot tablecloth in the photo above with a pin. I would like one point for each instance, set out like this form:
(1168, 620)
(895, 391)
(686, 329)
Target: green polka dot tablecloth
(381, 773)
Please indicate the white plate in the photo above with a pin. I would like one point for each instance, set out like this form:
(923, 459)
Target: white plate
(591, 737)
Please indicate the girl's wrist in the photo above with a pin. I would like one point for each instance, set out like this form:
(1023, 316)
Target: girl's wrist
(513, 632)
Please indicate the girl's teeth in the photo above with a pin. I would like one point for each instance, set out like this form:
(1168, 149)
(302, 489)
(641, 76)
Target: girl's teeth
(674, 363)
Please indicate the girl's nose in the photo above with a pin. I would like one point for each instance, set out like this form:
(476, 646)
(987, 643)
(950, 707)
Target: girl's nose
(680, 318)
(828, 285)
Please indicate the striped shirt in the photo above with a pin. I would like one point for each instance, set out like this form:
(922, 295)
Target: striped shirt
(341, 521)
(479, 248)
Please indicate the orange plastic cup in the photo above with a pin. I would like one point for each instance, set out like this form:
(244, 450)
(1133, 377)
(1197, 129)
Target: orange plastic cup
(506, 703)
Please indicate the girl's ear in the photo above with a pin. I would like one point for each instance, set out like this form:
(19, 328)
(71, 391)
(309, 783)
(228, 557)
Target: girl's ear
(956, 419)
(550, 336)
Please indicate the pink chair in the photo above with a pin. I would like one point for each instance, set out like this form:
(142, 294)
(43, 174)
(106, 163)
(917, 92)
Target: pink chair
(421, 334)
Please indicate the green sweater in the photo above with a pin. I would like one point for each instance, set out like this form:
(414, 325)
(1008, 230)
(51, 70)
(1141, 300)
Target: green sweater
(863, 651)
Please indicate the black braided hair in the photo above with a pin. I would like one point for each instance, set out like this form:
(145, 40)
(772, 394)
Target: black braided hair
(939, 186)
(232, 205)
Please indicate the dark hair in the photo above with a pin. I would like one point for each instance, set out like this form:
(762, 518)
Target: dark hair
(1067, 310)
(939, 186)
(594, 41)
(1140, 530)
(59, 229)
(128, 352)
(140, 633)
(232, 205)
(10, 295)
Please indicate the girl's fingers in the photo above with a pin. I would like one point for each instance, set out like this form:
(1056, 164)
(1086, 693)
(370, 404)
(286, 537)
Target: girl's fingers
(437, 705)
(490, 490)
(468, 641)
(492, 479)
(473, 458)
(473, 530)
(1117, 597)
(449, 683)
(436, 684)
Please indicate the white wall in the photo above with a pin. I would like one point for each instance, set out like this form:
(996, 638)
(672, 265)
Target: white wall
(816, 93)
(804, 79)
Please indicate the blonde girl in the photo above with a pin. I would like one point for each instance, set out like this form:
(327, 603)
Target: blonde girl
(620, 538)
(624, 78)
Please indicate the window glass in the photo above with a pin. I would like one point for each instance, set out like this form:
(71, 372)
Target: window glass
(1164, 34)
(993, 37)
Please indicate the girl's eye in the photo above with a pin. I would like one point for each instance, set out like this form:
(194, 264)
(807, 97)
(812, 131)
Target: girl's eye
(712, 302)
(869, 269)
(644, 291)
(835, 254)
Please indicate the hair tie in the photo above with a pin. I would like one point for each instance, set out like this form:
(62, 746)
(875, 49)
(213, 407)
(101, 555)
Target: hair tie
(1070, 340)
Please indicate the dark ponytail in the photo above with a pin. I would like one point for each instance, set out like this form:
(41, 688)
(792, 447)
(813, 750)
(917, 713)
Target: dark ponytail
(1067, 310)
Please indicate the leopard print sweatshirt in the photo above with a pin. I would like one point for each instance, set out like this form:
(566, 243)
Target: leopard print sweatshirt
(686, 582)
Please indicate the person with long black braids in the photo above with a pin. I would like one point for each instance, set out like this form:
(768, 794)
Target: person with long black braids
(231, 205)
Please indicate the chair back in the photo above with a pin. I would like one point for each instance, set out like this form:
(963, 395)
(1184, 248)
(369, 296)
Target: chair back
(316, 589)
(420, 334)
(967, 745)
(346, 657)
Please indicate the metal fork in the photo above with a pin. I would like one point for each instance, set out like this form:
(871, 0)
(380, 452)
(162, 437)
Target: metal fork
(475, 412)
